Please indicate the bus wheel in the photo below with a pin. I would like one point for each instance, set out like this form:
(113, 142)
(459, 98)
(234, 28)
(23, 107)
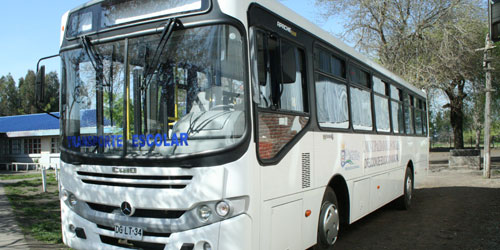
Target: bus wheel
(329, 221)
(405, 200)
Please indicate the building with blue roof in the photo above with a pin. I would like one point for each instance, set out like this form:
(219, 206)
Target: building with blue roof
(35, 138)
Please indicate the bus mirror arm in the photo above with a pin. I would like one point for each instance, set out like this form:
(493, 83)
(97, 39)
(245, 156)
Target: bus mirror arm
(40, 84)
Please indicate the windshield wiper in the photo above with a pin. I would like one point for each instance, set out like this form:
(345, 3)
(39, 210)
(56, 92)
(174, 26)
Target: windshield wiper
(94, 57)
(96, 62)
(155, 63)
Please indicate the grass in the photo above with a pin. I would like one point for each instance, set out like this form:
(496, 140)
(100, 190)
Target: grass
(19, 176)
(38, 213)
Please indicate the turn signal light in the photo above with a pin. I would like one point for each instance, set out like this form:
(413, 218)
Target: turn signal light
(308, 213)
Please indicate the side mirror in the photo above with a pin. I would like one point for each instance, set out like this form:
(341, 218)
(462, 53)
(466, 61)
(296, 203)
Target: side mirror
(288, 63)
(40, 85)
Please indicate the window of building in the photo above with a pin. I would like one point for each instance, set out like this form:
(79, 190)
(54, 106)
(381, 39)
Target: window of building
(32, 146)
(54, 145)
(4, 146)
(15, 147)
(381, 104)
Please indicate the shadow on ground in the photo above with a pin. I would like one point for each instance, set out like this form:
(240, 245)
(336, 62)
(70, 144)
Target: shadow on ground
(440, 218)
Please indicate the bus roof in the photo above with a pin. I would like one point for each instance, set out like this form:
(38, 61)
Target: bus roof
(286, 13)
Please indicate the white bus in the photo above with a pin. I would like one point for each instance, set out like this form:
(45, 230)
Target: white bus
(225, 124)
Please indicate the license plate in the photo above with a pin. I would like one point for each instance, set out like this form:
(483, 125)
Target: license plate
(128, 232)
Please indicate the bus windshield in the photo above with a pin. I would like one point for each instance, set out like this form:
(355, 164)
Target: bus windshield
(137, 97)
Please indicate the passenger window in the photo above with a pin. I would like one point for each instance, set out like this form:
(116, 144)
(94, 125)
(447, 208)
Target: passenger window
(418, 118)
(381, 104)
(361, 105)
(281, 74)
(408, 102)
(328, 63)
(397, 110)
(283, 104)
(331, 99)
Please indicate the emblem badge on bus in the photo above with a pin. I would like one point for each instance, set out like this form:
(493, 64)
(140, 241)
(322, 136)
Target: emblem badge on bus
(117, 170)
(127, 209)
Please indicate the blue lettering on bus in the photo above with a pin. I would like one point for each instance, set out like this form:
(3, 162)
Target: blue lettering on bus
(116, 141)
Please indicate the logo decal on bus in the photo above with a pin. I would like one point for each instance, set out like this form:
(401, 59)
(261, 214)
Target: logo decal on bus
(124, 170)
(347, 158)
(286, 28)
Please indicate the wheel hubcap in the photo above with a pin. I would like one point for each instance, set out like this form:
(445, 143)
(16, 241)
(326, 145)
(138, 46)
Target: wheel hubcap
(331, 223)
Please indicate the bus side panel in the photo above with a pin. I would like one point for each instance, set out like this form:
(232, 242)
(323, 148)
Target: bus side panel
(284, 223)
(360, 205)
(422, 162)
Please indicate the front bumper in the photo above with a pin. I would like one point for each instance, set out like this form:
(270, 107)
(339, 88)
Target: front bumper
(230, 234)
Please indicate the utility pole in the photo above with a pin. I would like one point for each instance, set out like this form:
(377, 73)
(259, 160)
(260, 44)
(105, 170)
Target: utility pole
(487, 108)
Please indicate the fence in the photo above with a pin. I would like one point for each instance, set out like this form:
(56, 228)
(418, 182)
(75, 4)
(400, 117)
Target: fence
(18, 166)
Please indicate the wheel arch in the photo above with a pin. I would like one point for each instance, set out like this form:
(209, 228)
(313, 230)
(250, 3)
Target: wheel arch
(339, 186)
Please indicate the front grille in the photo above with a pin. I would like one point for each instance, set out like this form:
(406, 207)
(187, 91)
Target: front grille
(142, 213)
(131, 244)
(145, 233)
(138, 181)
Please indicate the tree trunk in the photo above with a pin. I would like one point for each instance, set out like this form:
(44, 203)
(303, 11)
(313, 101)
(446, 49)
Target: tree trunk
(456, 111)
(478, 138)
(456, 120)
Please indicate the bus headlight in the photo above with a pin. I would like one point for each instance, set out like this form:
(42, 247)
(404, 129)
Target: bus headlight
(214, 211)
(222, 209)
(72, 200)
(64, 195)
(69, 198)
(204, 212)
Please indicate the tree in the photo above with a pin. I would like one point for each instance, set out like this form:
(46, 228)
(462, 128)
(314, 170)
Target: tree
(9, 98)
(51, 103)
(430, 43)
(27, 93)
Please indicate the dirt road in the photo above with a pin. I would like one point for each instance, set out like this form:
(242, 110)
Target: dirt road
(451, 210)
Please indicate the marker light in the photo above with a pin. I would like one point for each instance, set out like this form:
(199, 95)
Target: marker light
(308, 213)
(222, 209)
(204, 212)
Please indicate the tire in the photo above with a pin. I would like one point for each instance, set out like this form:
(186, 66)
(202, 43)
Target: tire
(329, 221)
(404, 202)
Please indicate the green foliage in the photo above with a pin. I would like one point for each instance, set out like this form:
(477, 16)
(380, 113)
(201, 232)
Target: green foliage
(18, 176)
(19, 99)
(9, 96)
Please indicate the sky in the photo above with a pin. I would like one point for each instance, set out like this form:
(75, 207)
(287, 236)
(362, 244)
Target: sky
(30, 30)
